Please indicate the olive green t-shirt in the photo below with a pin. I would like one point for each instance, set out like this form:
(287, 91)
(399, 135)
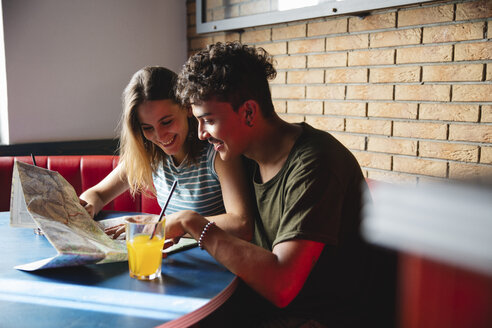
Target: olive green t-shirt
(317, 196)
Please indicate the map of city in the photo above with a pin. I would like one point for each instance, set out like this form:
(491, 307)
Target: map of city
(44, 199)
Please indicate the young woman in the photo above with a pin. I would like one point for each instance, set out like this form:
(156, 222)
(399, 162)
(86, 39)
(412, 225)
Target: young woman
(159, 145)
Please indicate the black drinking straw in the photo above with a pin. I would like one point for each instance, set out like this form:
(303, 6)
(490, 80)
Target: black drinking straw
(164, 208)
(33, 160)
(37, 231)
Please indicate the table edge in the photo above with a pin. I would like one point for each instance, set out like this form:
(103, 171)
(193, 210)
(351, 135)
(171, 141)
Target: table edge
(193, 317)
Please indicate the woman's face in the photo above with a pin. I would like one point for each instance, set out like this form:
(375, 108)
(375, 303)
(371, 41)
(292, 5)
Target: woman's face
(165, 123)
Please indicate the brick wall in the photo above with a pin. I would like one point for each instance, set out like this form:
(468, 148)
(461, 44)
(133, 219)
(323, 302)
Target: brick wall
(408, 90)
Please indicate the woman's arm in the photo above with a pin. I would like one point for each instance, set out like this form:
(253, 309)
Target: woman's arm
(238, 199)
(95, 198)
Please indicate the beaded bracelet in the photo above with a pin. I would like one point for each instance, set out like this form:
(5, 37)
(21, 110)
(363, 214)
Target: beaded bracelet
(204, 232)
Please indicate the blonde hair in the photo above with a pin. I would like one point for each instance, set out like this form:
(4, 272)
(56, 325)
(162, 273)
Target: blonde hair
(139, 157)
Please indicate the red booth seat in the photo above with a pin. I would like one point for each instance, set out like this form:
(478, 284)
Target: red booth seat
(82, 172)
(437, 294)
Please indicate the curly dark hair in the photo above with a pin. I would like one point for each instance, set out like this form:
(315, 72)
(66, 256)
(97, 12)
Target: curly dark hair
(229, 72)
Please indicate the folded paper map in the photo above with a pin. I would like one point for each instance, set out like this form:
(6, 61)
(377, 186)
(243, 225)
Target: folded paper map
(44, 199)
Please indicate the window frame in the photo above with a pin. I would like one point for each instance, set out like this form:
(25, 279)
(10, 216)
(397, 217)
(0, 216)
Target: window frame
(331, 8)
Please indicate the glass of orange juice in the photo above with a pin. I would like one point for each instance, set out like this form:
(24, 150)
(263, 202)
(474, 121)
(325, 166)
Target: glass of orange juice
(144, 253)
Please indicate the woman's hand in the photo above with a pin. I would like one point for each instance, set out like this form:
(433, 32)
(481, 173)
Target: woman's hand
(88, 207)
(118, 231)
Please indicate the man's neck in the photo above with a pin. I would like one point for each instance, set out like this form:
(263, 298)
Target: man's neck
(272, 146)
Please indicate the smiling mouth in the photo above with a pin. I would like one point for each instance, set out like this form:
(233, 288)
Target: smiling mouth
(216, 143)
(167, 143)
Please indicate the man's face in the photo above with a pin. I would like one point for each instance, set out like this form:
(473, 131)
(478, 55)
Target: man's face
(221, 126)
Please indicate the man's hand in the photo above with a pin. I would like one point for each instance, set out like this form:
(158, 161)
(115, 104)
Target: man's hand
(176, 224)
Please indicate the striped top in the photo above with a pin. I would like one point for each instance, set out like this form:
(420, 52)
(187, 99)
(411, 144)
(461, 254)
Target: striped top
(198, 187)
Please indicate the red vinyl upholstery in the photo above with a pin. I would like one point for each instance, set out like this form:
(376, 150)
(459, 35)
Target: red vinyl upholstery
(82, 172)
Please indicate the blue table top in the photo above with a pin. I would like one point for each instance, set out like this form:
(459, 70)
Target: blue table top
(100, 295)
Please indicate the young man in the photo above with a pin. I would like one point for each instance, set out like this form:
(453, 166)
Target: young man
(306, 259)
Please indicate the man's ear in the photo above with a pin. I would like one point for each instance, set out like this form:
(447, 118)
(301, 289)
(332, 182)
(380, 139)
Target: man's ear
(249, 111)
(189, 112)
